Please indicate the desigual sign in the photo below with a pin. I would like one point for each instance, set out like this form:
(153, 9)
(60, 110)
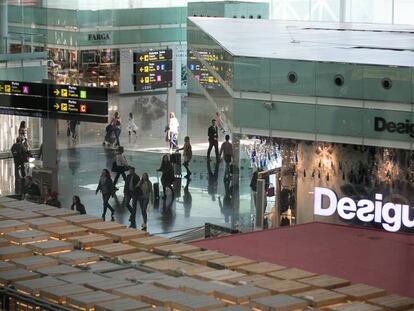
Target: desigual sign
(391, 215)
(102, 36)
(382, 125)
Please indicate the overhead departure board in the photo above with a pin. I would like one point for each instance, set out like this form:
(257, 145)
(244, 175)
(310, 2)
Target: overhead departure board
(54, 101)
(152, 70)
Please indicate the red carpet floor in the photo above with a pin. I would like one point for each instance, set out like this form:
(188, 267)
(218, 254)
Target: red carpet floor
(373, 257)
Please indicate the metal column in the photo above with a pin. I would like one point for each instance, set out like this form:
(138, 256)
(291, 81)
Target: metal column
(4, 27)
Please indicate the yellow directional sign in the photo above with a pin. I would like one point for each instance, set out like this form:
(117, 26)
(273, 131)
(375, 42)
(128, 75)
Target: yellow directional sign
(56, 92)
(64, 92)
(64, 106)
(7, 88)
(56, 106)
(142, 80)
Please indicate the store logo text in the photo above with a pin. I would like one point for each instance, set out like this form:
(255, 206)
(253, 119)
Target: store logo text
(403, 128)
(98, 36)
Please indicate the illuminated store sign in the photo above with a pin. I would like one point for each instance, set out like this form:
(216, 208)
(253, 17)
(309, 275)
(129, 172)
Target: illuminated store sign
(102, 36)
(382, 125)
(391, 215)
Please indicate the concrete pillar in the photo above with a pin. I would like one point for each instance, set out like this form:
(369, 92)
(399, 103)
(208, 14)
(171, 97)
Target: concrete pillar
(236, 178)
(49, 151)
(172, 91)
(4, 27)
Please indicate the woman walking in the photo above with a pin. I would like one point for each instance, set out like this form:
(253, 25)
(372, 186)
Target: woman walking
(77, 205)
(132, 127)
(116, 127)
(145, 195)
(121, 165)
(173, 130)
(187, 154)
(167, 177)
(106, 186)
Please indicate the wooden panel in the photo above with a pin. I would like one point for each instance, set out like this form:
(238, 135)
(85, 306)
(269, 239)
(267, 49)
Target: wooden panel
(279, 303)
(322, 297)
(199, 287)
(139, 257)
(12, 276)
(58, 294)
(325, 281)
(202, 257)
(291, 274)
(283, 286)
(163, 298)
(12, 225)
(81, 219)
(58, 212)
(126, 234)
(241, 294)
(21, 215)
(148, 243)
(50, 247)
(230, 262)
(45, 222)
(102, 227)
(77, 258)
(109, 285)
(136, 291)
(124, 304)
(188, 302)
(27, 236)
(113, 250)
(87, 301)
(34, 207)
(34, 262)
(33, 287)
(6, 266)
(219, 275)
(232, 308)
(82, 278)
(250, 279)
(393, 302)
(58, 270)
(260, 268)
(11, 252)
(104, 266)
(90, 240)
(177, 267)
(176, 249)
(63, 232)
(127, 274)
(355, 306)
(361, 291)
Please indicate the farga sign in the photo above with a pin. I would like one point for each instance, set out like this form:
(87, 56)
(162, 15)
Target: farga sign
(391, 215)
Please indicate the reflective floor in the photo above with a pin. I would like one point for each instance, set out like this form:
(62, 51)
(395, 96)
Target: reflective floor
(206, 198)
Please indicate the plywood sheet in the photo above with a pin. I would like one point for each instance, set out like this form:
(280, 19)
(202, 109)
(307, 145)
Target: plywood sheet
(355, 306)
(6, 266)
(81, 219)
(102, 227)
(125, 234)
(139, 257)
(123, 304)
(12, 252)
(241, 294)
(127, 274)
(58, 212)
(136, 291)
(393, 302)
(148, 243)
(66, 231)
(113, 250)
(325, 281)
(322, 297)
(219, 275)
(58, 270)
(104, 266)
(27, 236)
(7, 226)
(176, 249)
(88, 300)
(77, 257)
(12, 276)
(188, 302)
(109, 285)
(291, 274)
(82, 278)
(50, 247)
(21, 215)
(58, 294)
(260, 268)
(361, 291)
(229, 262)
(283, 286)
(45, 222)
(90, 240)
(33, 287)
(34, 262)
(279, 302)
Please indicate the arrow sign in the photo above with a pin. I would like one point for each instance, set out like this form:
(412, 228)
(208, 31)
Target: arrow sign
(56, 92)
(56, 106)
(141, 69)
(142, 80)
(141, 58)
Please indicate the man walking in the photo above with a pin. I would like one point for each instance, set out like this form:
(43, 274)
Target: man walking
(131, 182)
(213, 140)
(19, 153)
(226, 150)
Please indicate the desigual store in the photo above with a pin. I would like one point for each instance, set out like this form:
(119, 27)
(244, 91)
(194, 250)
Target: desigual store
(336, 117)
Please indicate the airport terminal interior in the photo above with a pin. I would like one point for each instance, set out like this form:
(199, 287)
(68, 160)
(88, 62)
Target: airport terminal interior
(207, 155)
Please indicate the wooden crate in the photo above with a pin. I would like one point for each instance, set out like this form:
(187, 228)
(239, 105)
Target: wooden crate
(291, 274)
(126, 234)
(219, 275)
(6, 266)
(27, 236)
(176, 249)
(355, 306)
(12, 276)
(50, 247)
(58, 294)
(148, 243)
(123, 304)
(82, 278)
(188, 302)
(139, 257)
(90, 240)
(229, 262)
(12, 252)
(102, 227)
(58, 270)
(109, 285)
(283, 286)
(113, 250)
(322, 297)
(79, 220)
(279, 302)
(7, 226)
(241, 294)
(33, 287)
(34, 262)
(58, 212)
(325, 281)
(87, 301)
(361, 292)
(77, 257)
(44, 223)
(202, 257)
(64, 232)
(260, 268)
(393, 302)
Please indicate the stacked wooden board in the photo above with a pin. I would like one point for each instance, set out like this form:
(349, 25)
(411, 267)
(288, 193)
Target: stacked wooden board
(83, 263)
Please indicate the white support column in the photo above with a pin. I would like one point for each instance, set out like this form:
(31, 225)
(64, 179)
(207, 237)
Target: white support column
(4, 27)
(49, 150)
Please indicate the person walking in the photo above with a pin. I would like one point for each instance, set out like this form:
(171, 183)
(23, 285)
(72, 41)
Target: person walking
(106, 187)
(120, 165)
(187, 154)
(167, 177)
(220, 123)
(145, 195)
(116, 127)
(23, 134)
(173, 126)
(213, 140)
(132, 127)
(226, 150)
(19, 153)
(72, 128)
(77, 205)
(131, 183)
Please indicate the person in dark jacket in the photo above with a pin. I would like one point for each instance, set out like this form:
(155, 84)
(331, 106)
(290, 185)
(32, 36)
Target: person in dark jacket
(167, 177)
(213, 140)
(31, 190)
(131, 182)
(145, 195)
(106, 186)
(19, 153)
(77, 205)
(53, 200)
